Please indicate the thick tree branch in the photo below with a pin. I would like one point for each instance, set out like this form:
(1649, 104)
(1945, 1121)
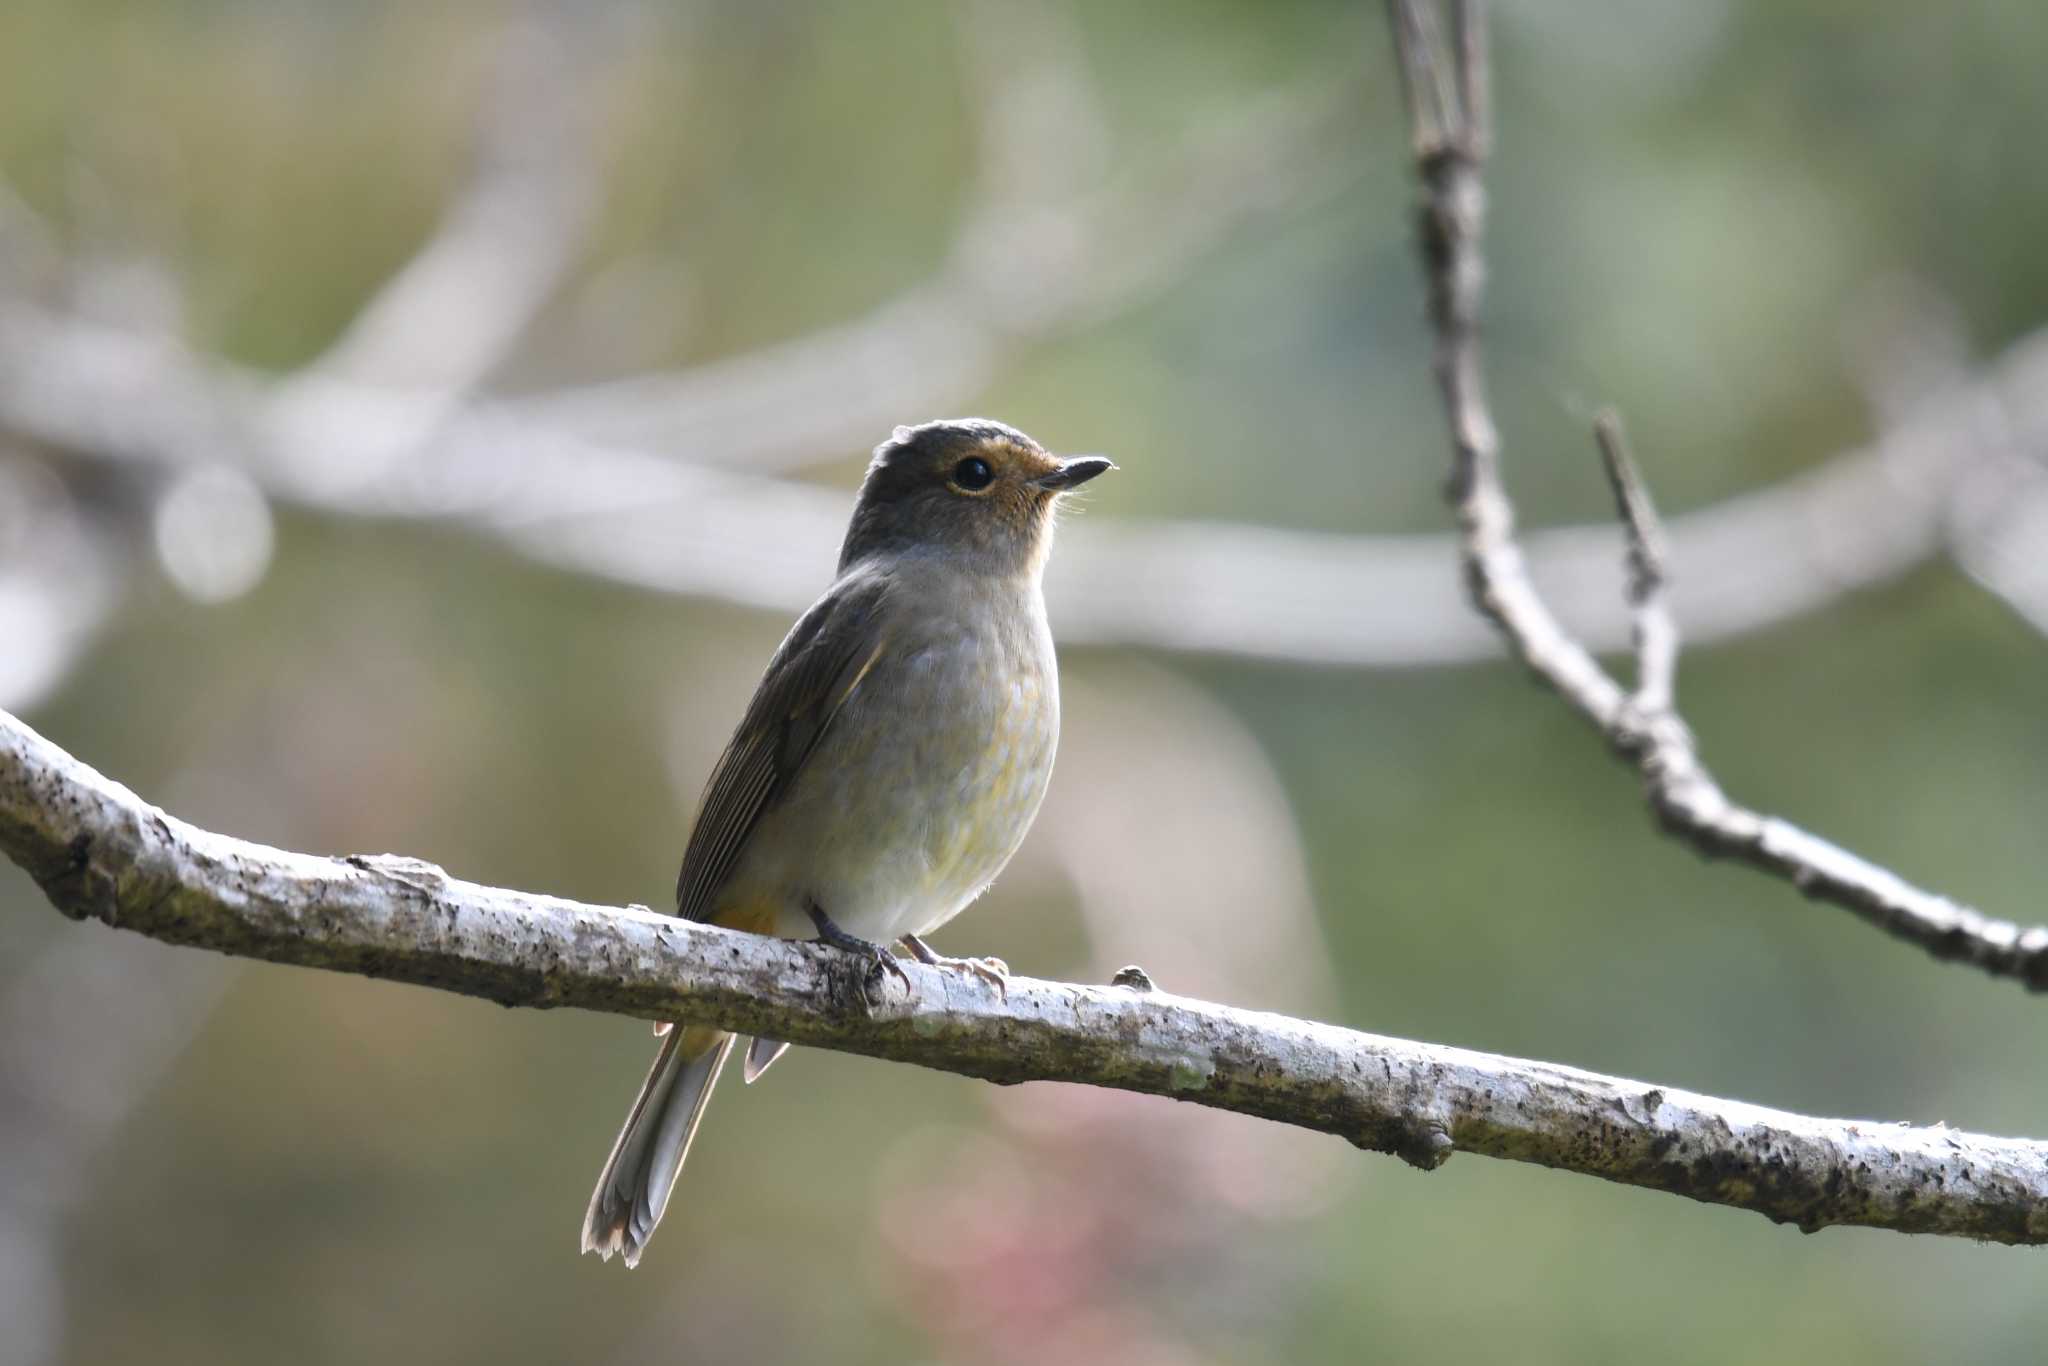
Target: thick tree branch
(101, 853)
(1643, 726)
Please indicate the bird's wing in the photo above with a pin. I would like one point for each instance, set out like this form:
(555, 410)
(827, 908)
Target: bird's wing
(819, 664)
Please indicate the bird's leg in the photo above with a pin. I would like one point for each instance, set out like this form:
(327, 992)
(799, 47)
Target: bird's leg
(991, 970)
(829, 933)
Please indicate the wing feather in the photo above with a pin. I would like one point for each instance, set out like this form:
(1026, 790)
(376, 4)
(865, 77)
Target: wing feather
(818, 666)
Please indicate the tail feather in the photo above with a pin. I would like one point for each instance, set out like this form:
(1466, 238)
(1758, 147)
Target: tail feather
(642, 1170)
(761, 1053)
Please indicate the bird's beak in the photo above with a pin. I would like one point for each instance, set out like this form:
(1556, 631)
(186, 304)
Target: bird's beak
(1073, 473)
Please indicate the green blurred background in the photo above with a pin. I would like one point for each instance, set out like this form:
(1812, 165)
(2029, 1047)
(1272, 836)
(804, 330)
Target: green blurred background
(1700, 210)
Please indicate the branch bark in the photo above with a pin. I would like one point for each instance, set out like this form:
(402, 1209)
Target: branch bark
(1643, 726)
(101, 853)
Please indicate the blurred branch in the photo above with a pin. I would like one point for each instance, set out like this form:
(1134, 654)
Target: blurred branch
(1644, 726)
(1021, 271)
(101, 853)
(639, 517)
(513, 229)
(619, 479)
(2003, 553)
(61, 573)
(1907, 342)
(437, 330)
(84, 1037)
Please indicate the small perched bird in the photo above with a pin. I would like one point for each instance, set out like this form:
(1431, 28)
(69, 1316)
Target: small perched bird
(893, 756)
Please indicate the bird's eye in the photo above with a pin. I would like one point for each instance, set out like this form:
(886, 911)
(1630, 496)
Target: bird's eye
(973, 474)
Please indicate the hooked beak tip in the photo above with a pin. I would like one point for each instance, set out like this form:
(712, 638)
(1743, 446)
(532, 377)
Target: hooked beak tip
(1075, 472)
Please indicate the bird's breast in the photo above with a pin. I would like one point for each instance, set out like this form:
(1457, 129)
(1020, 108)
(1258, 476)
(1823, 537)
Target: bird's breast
(925, 784)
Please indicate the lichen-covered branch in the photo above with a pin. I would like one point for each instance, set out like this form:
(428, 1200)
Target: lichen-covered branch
(101, 853)
(1644, 726)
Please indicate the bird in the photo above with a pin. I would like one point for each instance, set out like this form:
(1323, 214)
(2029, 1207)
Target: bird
(890, 763)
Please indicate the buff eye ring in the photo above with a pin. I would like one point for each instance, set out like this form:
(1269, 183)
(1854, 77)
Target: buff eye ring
(973, 474)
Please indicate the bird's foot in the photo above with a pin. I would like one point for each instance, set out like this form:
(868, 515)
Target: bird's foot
(829, 933)
(994, 971)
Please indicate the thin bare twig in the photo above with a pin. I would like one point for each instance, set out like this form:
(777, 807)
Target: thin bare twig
(1644, 725)
(1432, 105)
(1475, 77)
(1655, 632)
(101, 853)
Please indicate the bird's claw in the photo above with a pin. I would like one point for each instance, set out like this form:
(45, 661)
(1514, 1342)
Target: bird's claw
(994, 971)
(888, 963)
(829, 933)
(877, 956)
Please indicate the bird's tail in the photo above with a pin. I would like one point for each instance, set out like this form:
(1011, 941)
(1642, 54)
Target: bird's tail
(642, 1169)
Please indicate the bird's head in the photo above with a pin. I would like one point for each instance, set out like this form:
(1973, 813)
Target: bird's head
(964, 488)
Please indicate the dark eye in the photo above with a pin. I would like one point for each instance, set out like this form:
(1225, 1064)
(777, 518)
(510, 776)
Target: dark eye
(973, 474)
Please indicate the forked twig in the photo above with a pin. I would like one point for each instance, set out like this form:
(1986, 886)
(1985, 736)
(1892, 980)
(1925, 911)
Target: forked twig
(1643, 725)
